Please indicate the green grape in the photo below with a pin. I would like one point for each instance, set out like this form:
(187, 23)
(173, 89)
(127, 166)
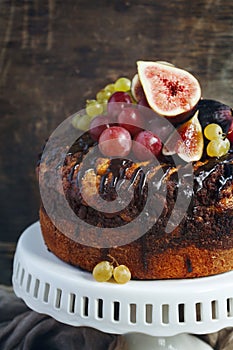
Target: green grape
(121, 274)
(103, 95)
(89, 102)
(81, 122)
(122, 84)
(94, 108)
(105, 104)
(110, 88)
(103, 271)
(213, 131)
(218, 148)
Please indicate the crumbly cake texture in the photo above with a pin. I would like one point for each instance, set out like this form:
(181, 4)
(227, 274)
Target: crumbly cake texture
(201, 244)
(172, 263)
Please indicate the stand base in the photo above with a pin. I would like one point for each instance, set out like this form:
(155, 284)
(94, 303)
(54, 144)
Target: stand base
(155, 308)
(139, 341)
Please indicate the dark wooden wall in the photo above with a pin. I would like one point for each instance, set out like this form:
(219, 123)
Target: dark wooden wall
(55, 54)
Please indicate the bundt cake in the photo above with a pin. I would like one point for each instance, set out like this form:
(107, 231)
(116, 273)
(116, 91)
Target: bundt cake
(149, 179)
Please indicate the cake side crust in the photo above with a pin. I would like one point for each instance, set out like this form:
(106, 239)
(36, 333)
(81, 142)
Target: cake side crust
(185, 262)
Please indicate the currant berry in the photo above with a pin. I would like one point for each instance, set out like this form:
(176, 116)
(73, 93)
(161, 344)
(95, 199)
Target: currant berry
(213, 131)
(121, 274)
(103, 271)
(218, 148)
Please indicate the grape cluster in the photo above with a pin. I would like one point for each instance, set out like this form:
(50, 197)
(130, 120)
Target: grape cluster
(98, 106)
(114, 126)
(218, 144)
(104, 271)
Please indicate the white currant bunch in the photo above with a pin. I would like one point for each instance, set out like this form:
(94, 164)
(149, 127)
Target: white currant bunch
(219, 144)
(105, 270)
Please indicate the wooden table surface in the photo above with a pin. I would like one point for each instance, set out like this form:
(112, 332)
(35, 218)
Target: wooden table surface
(56, 54)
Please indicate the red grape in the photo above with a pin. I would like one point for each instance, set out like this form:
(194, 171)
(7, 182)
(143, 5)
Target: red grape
(230, 133)
(115, 141)
(117, 102)
(131, 120)
(161, 127)
(146, 145)
(98, 125)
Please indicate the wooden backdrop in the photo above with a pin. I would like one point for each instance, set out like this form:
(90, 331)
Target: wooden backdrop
(55, 54)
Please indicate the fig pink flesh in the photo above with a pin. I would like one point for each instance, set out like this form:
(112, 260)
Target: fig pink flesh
(170, 92)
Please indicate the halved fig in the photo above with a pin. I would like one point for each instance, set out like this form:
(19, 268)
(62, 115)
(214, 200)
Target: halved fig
(170, 91)
(137, 89)
(166, 63)
(187, 141)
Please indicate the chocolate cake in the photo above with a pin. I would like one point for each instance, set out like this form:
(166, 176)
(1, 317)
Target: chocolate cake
(153, 233)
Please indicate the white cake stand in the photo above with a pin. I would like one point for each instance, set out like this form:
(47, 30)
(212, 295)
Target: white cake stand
(157, 314)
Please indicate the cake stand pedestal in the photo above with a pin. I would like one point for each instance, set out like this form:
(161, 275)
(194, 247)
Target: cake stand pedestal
(151, 314)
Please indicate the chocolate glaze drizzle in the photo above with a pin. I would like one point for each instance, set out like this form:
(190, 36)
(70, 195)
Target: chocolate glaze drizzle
(210, 177)
(117, 169)
(202, 175)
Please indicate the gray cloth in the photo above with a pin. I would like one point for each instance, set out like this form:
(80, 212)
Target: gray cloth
(222, 340)
(24, 329)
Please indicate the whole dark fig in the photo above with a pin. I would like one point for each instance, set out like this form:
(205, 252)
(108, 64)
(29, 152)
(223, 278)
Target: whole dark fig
(211, 111)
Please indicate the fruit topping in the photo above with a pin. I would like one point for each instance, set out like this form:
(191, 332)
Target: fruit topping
(137, 89)
(230, 133)
(218, 148)
(143, 102)
(219, 144)
(166, 63)
(213, 131)
(170, 91)
(187, 141)
(131, 119)
(98, 125)
(122, 84)
(94, 108)
(119, 122)
(103, 271)
(110, 88)
(146, 145)
(211, 111)
(161, 127)
(103, 95)
(81, 122)
(115, 141)
(120, 99)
